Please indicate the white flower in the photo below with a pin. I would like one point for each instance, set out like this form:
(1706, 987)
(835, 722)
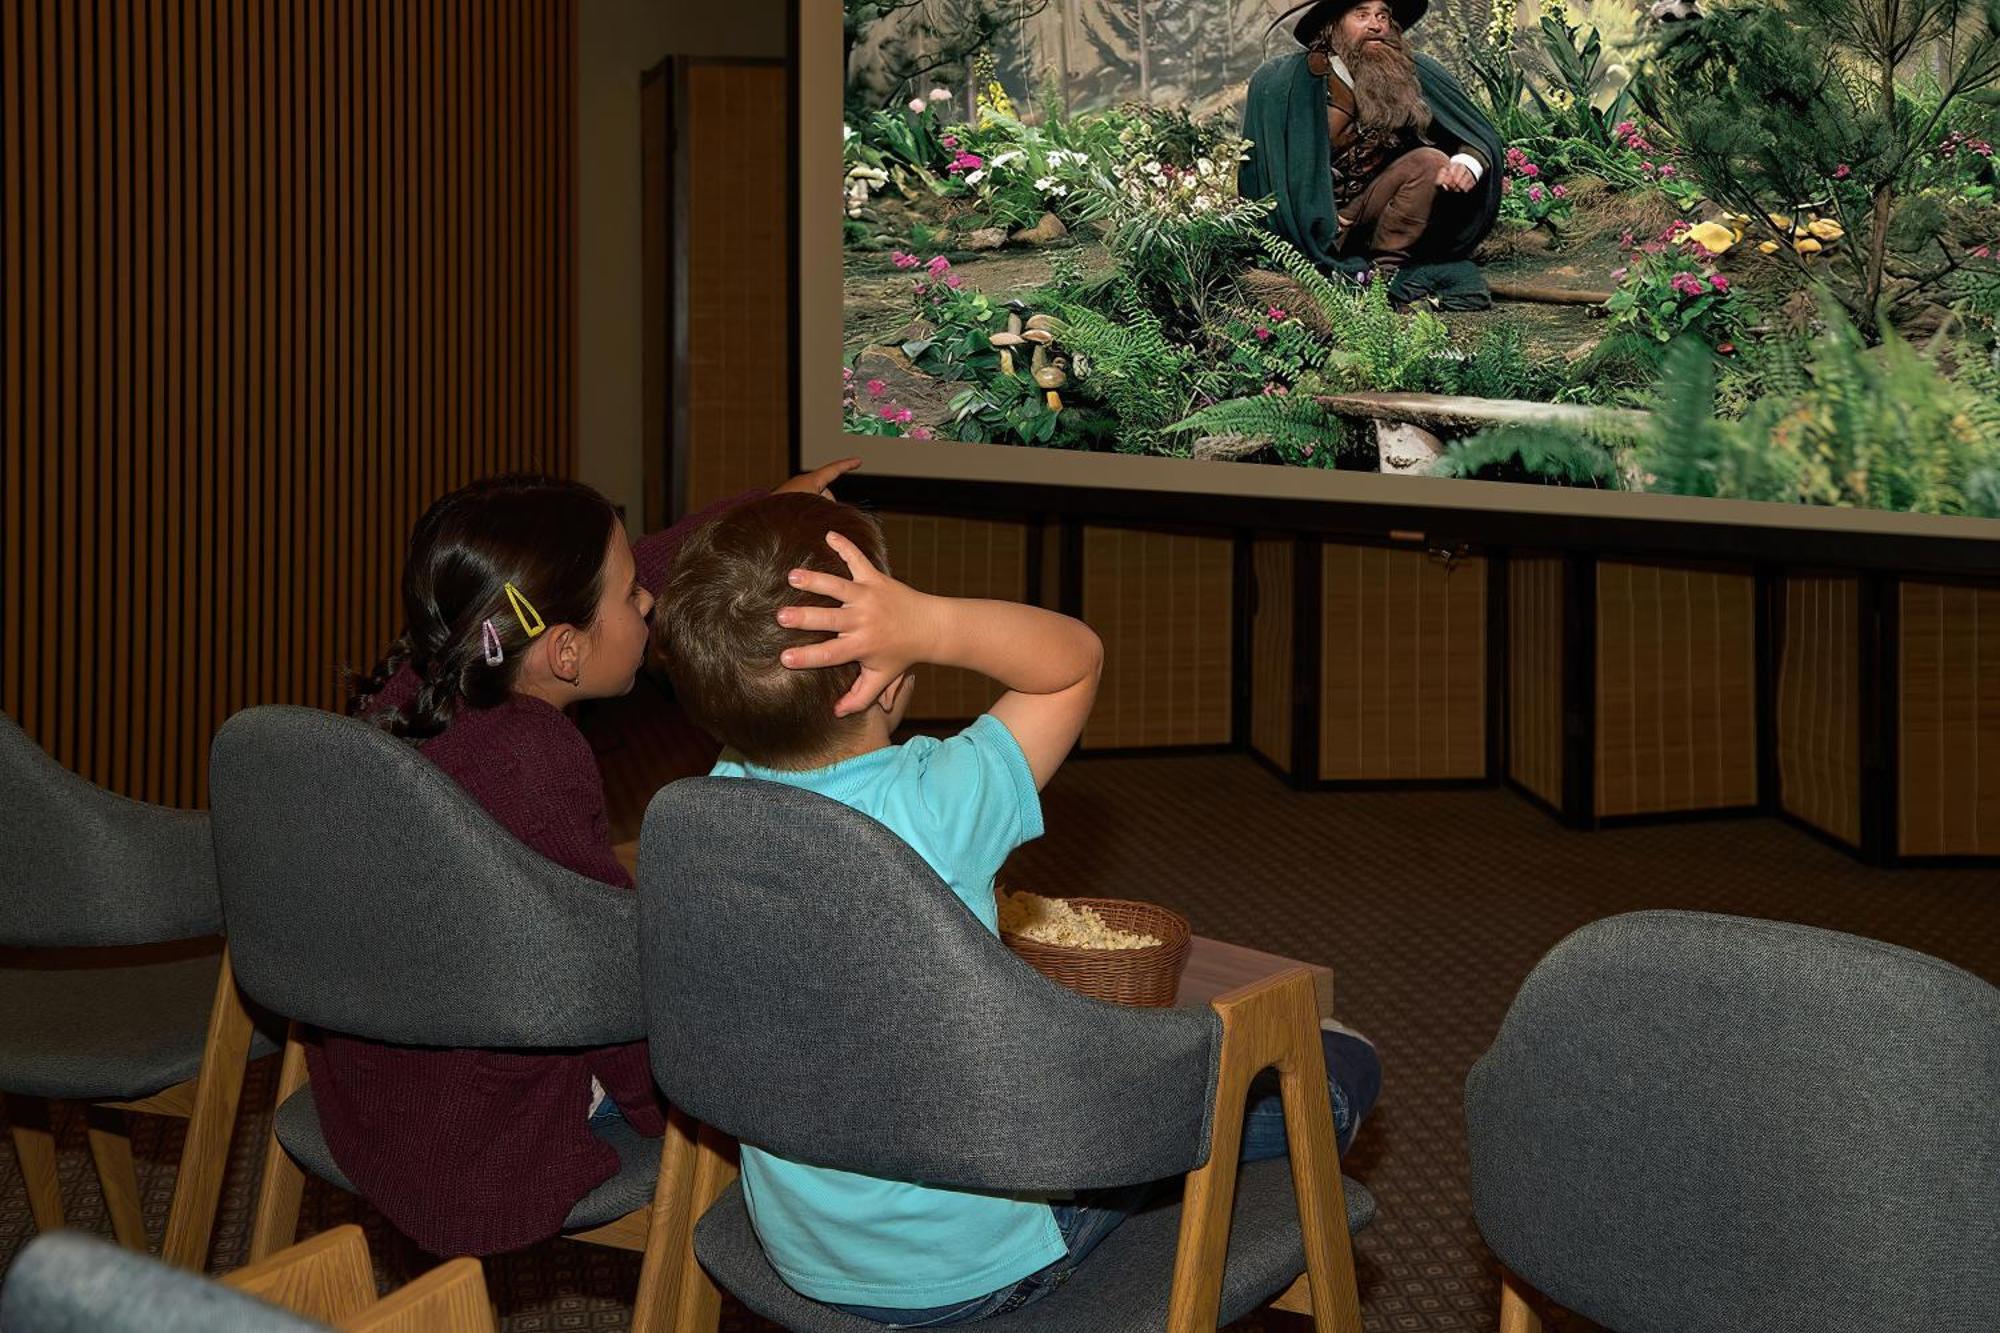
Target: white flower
(1045, 183)
(940, 95)
(1204, 166)
(1011, 155)
(846, 133)
(917, 105)
(1061, 190)
(974, 177)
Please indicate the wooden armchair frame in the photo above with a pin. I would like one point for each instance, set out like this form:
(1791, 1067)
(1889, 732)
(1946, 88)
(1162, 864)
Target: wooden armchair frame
(1273, 1022)
(208, 1102)
(330, 1278)
(659, 1231)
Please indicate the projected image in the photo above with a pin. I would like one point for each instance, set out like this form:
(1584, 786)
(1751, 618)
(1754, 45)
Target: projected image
(1749, 251)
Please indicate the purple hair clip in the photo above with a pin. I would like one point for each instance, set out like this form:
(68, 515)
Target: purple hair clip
(490, 637)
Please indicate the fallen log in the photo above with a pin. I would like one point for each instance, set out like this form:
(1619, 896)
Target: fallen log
(1435, 411)
(1538, 294)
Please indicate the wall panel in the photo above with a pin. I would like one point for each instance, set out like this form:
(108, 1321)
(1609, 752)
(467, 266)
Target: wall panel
(1535, 675)
(956, 557)
(737, 293)
(1676, 689)
(277, 275)
(1819, 704)
(1402, 666)
(1161, 603)
(1948, 721)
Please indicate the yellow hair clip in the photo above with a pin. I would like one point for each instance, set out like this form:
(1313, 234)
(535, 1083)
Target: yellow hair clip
(524, 611)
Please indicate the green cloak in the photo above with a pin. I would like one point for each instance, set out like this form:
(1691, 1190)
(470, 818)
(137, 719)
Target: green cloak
(1291, 161)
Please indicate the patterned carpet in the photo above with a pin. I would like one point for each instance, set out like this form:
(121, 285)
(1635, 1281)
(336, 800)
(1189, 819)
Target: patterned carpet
(1429, 906)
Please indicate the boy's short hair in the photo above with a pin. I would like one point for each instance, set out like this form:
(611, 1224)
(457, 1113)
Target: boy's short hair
(718, 630)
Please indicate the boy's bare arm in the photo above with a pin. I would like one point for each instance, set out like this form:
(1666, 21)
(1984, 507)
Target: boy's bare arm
(1049, 663)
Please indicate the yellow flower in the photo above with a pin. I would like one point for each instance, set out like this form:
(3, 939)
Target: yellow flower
(1712, 236)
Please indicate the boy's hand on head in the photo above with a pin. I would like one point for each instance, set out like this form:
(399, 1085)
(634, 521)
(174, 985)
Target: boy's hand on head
(820, 480)
(884, 625)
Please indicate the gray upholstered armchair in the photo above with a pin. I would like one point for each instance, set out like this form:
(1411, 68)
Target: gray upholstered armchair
(115, 991)
(368, 894)
(814, 988)
(1692, 1121)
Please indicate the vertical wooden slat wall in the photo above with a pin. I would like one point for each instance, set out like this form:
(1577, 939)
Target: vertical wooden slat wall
(956, 557)
(1535, 674)
(1271, 651)
(1819, 704)
(738, 295)
(1402, 666)
(1948, 705)
(277, 275)
(1161, 603)
(1676, 689)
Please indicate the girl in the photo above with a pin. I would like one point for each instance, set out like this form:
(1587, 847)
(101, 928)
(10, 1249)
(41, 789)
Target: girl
(523, 596)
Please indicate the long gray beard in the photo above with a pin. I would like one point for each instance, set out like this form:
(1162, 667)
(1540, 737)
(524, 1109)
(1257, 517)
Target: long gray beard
(1386, 90)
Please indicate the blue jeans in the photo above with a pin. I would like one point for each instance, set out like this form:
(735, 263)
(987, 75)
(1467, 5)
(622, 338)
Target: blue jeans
(1354, 1079)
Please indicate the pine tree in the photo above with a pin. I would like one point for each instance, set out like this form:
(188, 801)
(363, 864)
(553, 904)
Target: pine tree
(1784, 108)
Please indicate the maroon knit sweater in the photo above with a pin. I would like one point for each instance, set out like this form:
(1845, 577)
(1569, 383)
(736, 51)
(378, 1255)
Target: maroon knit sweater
(480, 1152)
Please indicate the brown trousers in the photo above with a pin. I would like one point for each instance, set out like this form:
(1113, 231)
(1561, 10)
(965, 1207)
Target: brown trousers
(1386, 219)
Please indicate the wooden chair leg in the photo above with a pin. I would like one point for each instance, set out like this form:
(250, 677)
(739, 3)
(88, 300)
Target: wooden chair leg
(1272, 1022)
(697, 1303)
(35, 1146)
(669, 1226)
(276, 1221)
(451, 1298)
(111, 1150)
(211, 1126)
(1516, 1315)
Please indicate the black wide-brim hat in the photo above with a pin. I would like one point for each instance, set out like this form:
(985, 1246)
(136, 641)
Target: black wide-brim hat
(1318, 14)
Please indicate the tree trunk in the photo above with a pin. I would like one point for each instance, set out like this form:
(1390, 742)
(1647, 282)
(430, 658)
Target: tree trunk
(1062, 52)
(1145, 57)
(1878, 239)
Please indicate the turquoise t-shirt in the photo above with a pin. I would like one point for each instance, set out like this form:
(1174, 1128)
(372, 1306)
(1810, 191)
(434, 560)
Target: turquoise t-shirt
(848, 1239)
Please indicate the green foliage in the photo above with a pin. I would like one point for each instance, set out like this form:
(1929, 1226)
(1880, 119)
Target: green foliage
(1125, 361)
(1578, 70)
(1380, 351)
(1668, 290)
(1500, 367)
(1297, 428)
(1551, 455)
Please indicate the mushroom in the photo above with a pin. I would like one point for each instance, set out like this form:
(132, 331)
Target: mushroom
(1826, 229)
(1767, 248)
(1047, 376)
(1806, 245)
(1712, 236)
(1040, 337)
(1007, 342)
(1044, 322)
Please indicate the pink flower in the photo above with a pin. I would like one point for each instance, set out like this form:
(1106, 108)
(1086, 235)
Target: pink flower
(1560, 192)
(1535, 194)
(1529, 170)
(949, 141)
(888, 412)
(1515, 157)
(966, 162)
(1982, 252)
(1687, 284)
(1506, 185)
(940, 94)
(953, 281)
(1274, 314)
(922, 433)
(1842, 172)
(1646, 167)
(904, 417)
(1263, 334)
(1652, 247)
(1307, 452)
(876, 388)
(847, 374)
(1626, 240)
(902, 259)
(938, 266)
(1667, 171)
(922, 287)
(1717, 281)
(1618, 274)
(917, 105)
(1624, 128)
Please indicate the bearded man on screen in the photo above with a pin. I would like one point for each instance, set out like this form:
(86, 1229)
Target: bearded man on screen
(1374, 155)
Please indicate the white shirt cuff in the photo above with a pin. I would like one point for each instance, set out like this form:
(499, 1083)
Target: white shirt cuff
(1471, 164)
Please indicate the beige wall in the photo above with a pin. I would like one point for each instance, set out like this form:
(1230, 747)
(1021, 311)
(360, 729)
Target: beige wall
(616, 42)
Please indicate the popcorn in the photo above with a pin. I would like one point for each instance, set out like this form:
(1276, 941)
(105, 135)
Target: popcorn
(1054, 921)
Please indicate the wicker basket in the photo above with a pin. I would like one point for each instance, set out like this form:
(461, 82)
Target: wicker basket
(1149, 976)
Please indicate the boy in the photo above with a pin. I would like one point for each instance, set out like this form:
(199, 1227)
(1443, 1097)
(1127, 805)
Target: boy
(744, 624)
